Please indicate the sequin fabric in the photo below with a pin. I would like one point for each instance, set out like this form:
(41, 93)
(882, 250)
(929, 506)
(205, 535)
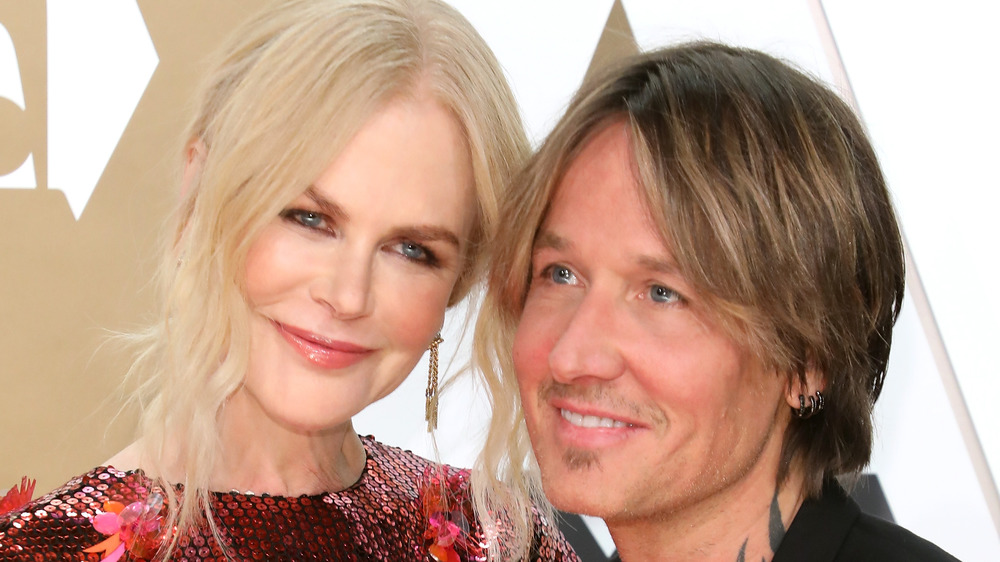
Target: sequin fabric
(378, 518)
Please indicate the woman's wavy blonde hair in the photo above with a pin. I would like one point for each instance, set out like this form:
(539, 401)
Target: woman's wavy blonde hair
(289, 90)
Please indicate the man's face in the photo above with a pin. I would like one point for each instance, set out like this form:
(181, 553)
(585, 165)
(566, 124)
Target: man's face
(637, 405)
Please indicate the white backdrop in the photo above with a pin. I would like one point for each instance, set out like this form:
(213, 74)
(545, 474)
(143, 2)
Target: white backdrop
(925, 81)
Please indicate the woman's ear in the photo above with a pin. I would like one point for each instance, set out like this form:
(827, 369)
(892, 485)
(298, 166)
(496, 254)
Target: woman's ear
(194, 160)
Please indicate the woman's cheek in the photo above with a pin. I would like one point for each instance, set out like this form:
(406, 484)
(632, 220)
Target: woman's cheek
(417, 311)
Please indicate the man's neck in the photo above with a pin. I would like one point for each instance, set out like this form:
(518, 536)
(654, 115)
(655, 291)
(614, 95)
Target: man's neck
(743, 523)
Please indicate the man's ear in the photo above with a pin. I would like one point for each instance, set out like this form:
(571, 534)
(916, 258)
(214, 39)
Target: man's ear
(194, 160)
(800, 388)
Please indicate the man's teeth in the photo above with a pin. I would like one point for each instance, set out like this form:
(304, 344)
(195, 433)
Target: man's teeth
(590, 421)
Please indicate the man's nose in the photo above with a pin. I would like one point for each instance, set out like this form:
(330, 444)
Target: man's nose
(587, 346)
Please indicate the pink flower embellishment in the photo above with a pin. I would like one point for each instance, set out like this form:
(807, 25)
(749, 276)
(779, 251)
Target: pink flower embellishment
(444, 533)
(134, 528)
(448, 509)
(17, 498)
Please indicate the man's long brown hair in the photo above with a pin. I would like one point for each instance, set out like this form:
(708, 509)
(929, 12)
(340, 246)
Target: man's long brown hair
(769, 194)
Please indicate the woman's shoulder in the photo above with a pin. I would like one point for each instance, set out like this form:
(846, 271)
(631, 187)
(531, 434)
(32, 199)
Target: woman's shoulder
(60, 524)
(443, 493)
(549, 543)
(381, 452)
(546, 542)
(406, 468)
(428, 504)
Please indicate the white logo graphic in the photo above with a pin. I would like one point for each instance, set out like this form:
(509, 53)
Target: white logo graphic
(100, 59)
(10, 88)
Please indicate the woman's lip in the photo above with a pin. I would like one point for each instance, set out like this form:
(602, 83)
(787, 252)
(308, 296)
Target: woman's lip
(323, 352)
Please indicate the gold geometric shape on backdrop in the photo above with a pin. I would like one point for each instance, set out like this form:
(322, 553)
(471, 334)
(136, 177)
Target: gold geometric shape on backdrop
(66, 283)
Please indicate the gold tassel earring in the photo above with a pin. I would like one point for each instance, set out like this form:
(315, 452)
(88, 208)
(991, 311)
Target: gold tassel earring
(431, 407)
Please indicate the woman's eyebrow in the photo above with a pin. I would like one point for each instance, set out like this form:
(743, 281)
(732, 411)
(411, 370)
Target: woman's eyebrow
(327, 207)
(428, 233)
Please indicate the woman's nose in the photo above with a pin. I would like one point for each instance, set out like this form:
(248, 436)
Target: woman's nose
(345, 287)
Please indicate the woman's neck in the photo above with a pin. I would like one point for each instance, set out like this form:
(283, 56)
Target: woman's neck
(263, 456)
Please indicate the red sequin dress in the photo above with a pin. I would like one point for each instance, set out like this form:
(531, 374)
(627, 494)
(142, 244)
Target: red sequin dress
(381, 517)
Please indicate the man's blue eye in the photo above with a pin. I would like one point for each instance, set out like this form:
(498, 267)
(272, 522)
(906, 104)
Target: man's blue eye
(661, 294)
(562, 275)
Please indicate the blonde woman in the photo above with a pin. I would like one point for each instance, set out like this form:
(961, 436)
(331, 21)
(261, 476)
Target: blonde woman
(341, 176)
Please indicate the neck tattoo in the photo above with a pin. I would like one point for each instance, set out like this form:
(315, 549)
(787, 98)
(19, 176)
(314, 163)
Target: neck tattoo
(775, 527)
(775, 531)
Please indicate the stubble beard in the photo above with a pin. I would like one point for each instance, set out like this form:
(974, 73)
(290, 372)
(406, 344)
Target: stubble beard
(581, 459)
(576, 459)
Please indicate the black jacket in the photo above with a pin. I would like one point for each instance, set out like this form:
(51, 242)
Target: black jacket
(833, 529)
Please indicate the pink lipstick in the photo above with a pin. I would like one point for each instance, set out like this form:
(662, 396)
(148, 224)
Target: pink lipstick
(322, 352)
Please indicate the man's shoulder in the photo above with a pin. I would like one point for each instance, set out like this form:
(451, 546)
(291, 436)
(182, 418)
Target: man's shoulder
(872, 538)
(833, 528)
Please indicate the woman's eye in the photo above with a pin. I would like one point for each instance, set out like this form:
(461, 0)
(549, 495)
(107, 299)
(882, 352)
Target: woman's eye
(661, 294)
(311, 219)
(415, 252)
(412, 251)
(561, 275)
(308, 219)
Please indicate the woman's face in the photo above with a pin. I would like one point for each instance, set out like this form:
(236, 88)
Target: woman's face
(349, 285)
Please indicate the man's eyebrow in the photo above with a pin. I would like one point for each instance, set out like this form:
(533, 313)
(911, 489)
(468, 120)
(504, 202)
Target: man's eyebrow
(659, 265)
(327, 207)
(548, 240)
